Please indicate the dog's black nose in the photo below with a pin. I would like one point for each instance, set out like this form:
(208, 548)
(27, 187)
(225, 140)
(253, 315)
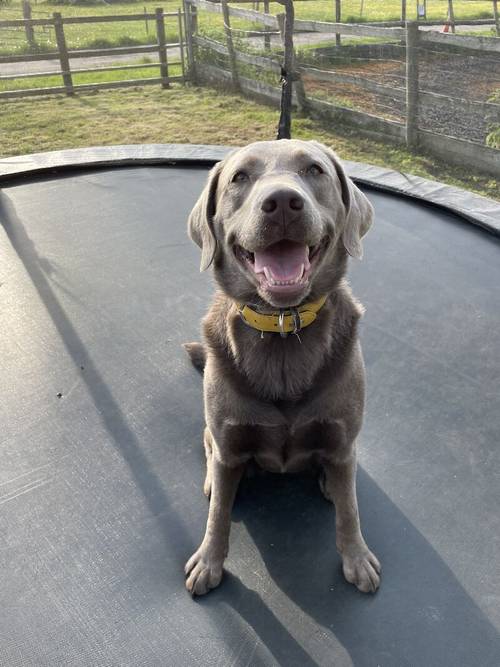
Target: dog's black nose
(283, 200)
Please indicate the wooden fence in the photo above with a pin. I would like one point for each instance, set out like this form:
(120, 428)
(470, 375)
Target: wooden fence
(65, 55)
(412, 97)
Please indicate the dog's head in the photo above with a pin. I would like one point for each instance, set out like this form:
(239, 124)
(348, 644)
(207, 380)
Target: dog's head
(276, 219)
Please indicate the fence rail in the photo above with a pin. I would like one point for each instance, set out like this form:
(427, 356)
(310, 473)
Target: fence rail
(64, 55)
(361, 30)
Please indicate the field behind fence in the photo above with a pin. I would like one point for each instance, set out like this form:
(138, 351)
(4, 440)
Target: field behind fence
(429, 90)
(400, 83)
(159, 46)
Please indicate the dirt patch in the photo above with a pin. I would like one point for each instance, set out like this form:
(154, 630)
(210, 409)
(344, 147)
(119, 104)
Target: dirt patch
(470, 78)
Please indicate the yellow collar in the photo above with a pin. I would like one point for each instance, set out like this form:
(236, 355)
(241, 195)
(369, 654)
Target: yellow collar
(289, 320)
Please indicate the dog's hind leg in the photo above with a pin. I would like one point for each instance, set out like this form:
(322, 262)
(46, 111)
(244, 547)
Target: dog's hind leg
(197, 354)
(324, 486)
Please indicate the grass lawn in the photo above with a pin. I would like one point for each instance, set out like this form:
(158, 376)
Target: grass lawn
(185, 114)
(89, 35)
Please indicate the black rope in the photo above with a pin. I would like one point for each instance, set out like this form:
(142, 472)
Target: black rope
(287, 74)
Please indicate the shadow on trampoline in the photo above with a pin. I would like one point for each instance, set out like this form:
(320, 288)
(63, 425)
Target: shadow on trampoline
(421, 615)
(123, 438)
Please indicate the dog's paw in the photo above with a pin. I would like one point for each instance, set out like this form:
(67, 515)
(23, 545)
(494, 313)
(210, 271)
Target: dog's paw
(362, 569)
(202, 573)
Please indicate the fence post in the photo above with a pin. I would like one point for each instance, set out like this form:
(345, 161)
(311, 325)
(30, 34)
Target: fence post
(188, 30)
(63, 52)
(181, 44)
(230, 45)
(451, 15)
(338, 19)
(495, 16)
(162, 51)
(412, 37)
(194, 19)
(30, 33)
(267, 38)
(403, 11)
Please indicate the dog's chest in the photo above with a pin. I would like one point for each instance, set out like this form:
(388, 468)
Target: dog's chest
(282, 368)
(284, 448)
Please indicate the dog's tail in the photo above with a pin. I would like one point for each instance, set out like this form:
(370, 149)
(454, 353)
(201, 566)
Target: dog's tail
(197, 354)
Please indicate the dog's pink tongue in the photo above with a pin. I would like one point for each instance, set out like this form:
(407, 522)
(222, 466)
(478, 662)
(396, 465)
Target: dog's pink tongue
(283, 260)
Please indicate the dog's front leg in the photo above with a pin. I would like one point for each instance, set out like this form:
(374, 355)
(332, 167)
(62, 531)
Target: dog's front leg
(359, 564)
(204, 568)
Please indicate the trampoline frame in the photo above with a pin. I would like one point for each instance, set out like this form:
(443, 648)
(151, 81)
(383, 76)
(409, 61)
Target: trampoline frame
(476, 209)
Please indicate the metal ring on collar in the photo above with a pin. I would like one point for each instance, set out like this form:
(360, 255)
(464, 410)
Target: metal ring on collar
(281, 324)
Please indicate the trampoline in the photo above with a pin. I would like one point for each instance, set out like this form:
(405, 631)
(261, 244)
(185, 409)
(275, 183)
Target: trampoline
(101, 440)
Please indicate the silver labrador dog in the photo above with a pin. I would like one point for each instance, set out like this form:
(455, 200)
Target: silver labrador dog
(283, 369)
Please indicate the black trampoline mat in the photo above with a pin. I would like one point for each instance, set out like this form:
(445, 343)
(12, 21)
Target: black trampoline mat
(102, 466)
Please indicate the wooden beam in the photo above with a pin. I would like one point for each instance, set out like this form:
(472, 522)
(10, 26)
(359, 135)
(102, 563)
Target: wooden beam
(20, 23)
(30, 92)
(338, 19)
(63, 53)
(464, 41)
(230, 45)
(495, 17)
(451, 16)
(181, 41)
(113, 18)
(412, 40)
(86, 70)
(349, 29)
(28, 26)
(264, 62)
(162, 51)
(361, 82)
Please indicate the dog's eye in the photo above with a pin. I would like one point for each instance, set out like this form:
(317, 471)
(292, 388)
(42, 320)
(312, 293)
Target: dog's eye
(314, 170)
(239, 177)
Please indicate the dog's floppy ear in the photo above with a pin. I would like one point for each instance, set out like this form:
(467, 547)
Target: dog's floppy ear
(358, 210)
(200, 221)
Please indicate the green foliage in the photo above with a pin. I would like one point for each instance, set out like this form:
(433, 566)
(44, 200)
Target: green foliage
(493, 138)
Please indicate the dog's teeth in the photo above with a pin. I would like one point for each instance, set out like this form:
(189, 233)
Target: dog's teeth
(294, 281)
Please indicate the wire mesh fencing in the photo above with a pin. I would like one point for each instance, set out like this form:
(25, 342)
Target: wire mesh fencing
(429, 89)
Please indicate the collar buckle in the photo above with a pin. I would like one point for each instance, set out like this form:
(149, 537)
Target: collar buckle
(297, 325)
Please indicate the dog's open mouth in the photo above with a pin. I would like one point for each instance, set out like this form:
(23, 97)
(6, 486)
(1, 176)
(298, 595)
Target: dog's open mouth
(283, 267)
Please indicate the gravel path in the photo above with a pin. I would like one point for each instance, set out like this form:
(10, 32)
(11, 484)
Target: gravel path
(45, 66)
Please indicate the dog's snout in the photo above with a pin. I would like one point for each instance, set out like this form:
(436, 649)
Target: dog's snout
(283, 201)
